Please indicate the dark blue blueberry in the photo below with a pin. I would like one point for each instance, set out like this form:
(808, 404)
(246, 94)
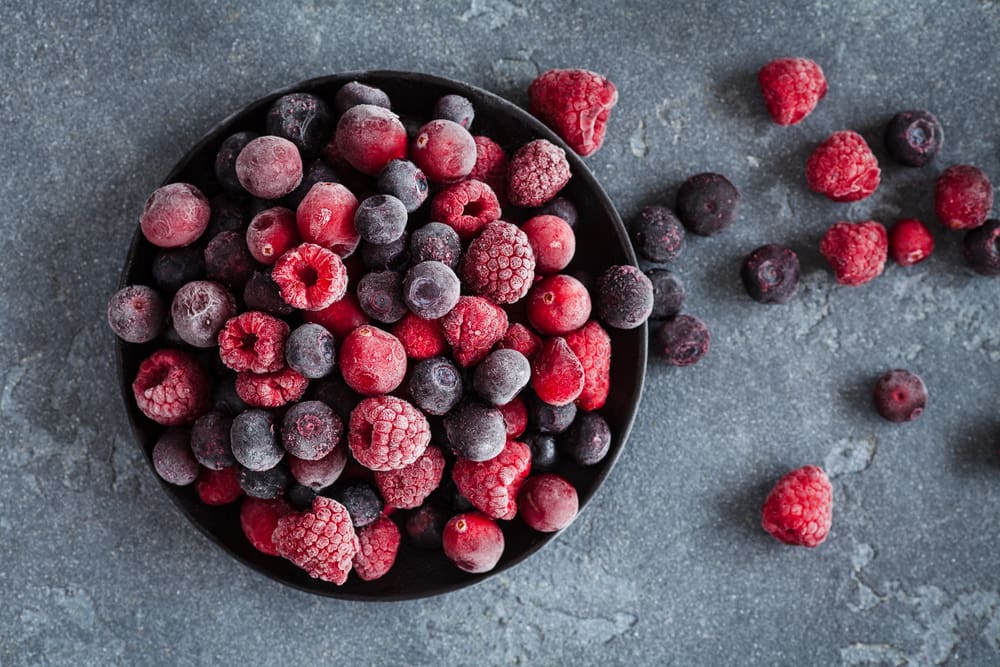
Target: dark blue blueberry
(549, 418)
(303, 119)
(301, 497)
(254, 438)
(426, 525)
(707, 203)
(668, 293)
(230, 213)
(588, 441)
(311, 430)
(770, 274)
(333, 391)
(225, 160)
(406, 182)
(393, 256)
(380, 219)
(435, 385)
(624, 297)
(173, 269)
(475, 431)
(354, 93)
(561, 208)
(501, 376)
(361, 500)
(543, 451)
(264, 484)
(380, 294)
(317, 172)
(455, 108)
(913, 138)
(683, 340)
(262, 293)
(982, 248)
(228, 260)
(224, 396)
(436, 242)
(431, 290)
(210, 441)
(658, 234)
(309, 351)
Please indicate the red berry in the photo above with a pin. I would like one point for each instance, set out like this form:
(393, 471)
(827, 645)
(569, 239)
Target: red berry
(843, 167)
(557, 375)
(369, 137)
(219, 487)
(547, 503)
(515, 417)
(259, 518)
(253, 341)
(900, 396)
(310, 277)
(576, 104)
(340, 317)
(491, 166)
(522, 339)
(269, 167)
(372, 361)
(378, 543)
(422, 339)
(492, 485)
(855, 251)
(466, 207)
(172, 388)
(536, 174)
(322, 541)
(552, 241)
(592, 346)
(410, 485)
(910, 242)
(473, 542)
(792, 87)
(472, 328)
(326, 217)
(799, 508)
(387, 433)
(963, 197)
(444, 151)
(499, 263)
(271, 390)
(175, 215)
(558, 304)
(271, 233)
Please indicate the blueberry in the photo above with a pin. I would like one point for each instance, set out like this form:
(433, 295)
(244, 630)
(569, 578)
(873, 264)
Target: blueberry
(228, 260)
(200, 310)
(230, 213)
(264, 484)
(254, 439)
(380, 219)
(982, 248)
(301, 497)
(381, 297)
(426, 525)
(431, 289)
(262, 293)
(405, 181)
(311, 430)
(475, 431)
(225, 160)
(588, 441)
(172, 457)
(303, 119)
(309, 351)
(174, 268)
(668, 293)
(900, 396)
(317, 172)
(393, 256)
(658, 234)
(561, 208)
(362, 502)
(333, 391)
(771, 274)
(224, 396)
(549, 418)
(501, 376)
(543, 451)
(683, 340)
(435, 385)
(354, 93)
(137, 313)
(460, 503)
(455, 108)
(437, 242)
(624, 297)
(210, 441)
(913, 138)
(707, 203)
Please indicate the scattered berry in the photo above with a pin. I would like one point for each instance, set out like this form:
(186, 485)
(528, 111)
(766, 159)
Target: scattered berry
(340, 317)
(218, 487)
(378, 545)
(466, 207)
(558, 304)
(171, 388)
(259, 518)
(173, 269)
(455, 108)
(913, 138)
(475, 432)
(303, 119)
(855, 251)
(210, 442)
(792, 87)
(430, 289)
(515, 417)
(271, 233)
(491, 166)
(403, 180)
(409, 486)
(437, 242)
(253, 341)
(271, 390)
(472, 328)
(369, 137)
(174, 215)
(473, 542)
(269, 167)
(843, 168)
(322, 542)
(264, 484)
(900, 396)
(624, 297)
(668, 293)
(372, 361)
(387, 433)
(326, 217)
(354, 93)
(136, 314)
(254, 440)
(963, 197)
(982, 248)
(547, 503)
(910, 242)
(589, 439)
(425, 527)
(262, 293)
(658, 234)
(311, 430)
(380, 219)
(536, 174)
(225, 160)
(444, 151)
(548, 418)
(361, 501)
(499, 263)
(172, 457)
(543, 451)
(320, 474)
(770, 274)
(521, 338)
(683, 340)
(576, 103)
(380, 294)
(552, 242)
(707, 203)
(435, 385)
(228, 260)
(492, 486)
(799, 508)
(557, 375)
(501, 376)
(592, 346)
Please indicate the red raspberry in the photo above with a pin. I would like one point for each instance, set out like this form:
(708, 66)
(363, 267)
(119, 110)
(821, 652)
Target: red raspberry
(310, 277)
(557, 375)
(340, 317)
(269, 167)
(387, 433)
(372, 361)
(466, 207)
(515, 417)
(253, 341)
(369, 137)
(325, 216)
(259, 518)
(172, 388)
(322, 542)
(592, 346)
(473, 542)
(910, 242)
(558, 304)
(271, 233)
(409, 486)
(472, 328)
(499, 263)
(491, 166)
(271, 390)
(522, 339)
(798, 510)
(855, 251)
(491, 486)
(963, 197)
(422, 339)
(219, 487)
(378, 543)
(792, 87)
(548, 503)
(843, 167)
(576, 104)
(175, 215)
(536, 174)
(444, 151)
(552, 242)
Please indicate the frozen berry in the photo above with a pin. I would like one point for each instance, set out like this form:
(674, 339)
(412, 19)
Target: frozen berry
(218, 487)
(372, 361)
(322, 541)
(592, 346)
(321, 473)
(361, 501)
(171, 388)
(855, 251)
(963, 197)
(515, 417)
(561, 208)
(228, 260)
(271, 390)
(403, 180)
(172, 457)
(210, 442)
(683, 340)
(380, 294)
(225, 160)
(174, 268)
(475, 431)
(253, 341)
(466, 206)
(798, 510)
(340, 317)
(707, 203)
(455, 108)
(271, 233)
(310, 277)
(499, 263)
(552, 242)
(259, 518)
(557, 375)
(576, 103)
(425, 526)
(430, 289)
(658, 234)
(326, 217)
(473, 542)
(491, 166)
(913, 138)
(668, 293)
(378, 545)
(473, 327)
(354, 93)
(536, 174)
(262, 293)
(380, 219)
(224, 396)
(982, 248)
(408, 487)
(435, 385)
(316, 172)
(792, 87)
(303, 119)
(558, 304)
(521, 338)
(309, 351)
(548, 418)
(174, 215)
(543, 451)
(300, 497)
(263, 484)
(492, 486)
(392, 256)
(269, 167)
(310, 430)
(230, 213)
(589, 439)
(501, 376)
(900, 396)
(254, 439)
(444, 150)
(422, 339)
(369, 137)
(624, 297)
(770, 274)
(387, 433)
(843, 168)
(136, 313)
(910, 242)
(547, 503)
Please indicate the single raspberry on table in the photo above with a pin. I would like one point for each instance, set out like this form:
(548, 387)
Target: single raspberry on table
(576, 103)
(271, 390)
(799, 508)
(387, 433)
(492, 486)
(792, 87)
(259, 518)
(219, 487)
(422, 339)
(253, 341)
(536, 173)
(172, 388)
(378, 544)
(910, 242)
(466, 207)
(592, 346)
(310, 277)
(855, 251)
(963, 197)
(409, 486)
(557, 376)
(499, 263)
(322, 541)
(843, 168)
(472, 328)
(521, 338)
(491, 166)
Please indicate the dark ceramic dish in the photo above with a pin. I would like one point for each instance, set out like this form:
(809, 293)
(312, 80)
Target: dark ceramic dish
(601, 241)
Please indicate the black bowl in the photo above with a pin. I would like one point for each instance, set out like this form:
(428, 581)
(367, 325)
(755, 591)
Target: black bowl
(601, 241)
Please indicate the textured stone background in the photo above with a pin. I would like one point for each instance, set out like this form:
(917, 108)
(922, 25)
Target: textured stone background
(668, 565)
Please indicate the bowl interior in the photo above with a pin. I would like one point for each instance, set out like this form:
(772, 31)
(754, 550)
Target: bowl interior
(601, 241)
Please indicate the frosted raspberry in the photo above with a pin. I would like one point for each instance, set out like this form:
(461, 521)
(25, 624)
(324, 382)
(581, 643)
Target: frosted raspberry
(422, 339)
(387, 433)
(322, 542)
(466, 207)
(963, 197)
(499, 263)
(253, 341)
(592, 346)
(536, 174)
(799, 508)
(409, 486)
(792, 87)
(271, 390)
(310, 277)
(522, 339)
(491, 166)
(378, 544)
(473, 327)
(843, 167)
(491, 486)
(171, 388)
(576, 104)
(855, 251)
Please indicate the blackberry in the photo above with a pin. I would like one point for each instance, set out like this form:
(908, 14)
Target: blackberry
(588, 441)
(224, 396)
(317, 172)
(982, 248)
(309, 351)
(225, 160)
(230, 213)
(668, 293)
(624, 297)
(355, 93)
(301, 497)
(303, 119)
(543, 451)
(435, 385)
(475, 431)
(210, 441)
(333, 391)
(262, 293)
(683, 340)
(455, 108)
(658, 234)
(380, 219)
(403, 180)
(172, 269)
(254, 439)
(549, 418)
(501, 376)
(561, 208)
(771, 274)
(311, 430)
(264, 484)
(381, 297)
(425, 526)
(900, 396)
(228, 260)
(431, 289)
(707, 203)
(361, 500)
(913, 138)
(437, 242)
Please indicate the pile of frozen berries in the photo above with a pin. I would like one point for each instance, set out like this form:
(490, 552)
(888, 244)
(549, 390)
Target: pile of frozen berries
(350, 338)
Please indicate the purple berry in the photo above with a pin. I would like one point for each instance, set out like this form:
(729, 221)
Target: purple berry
(426, 525)
(548, 418)
(589, 439)
(455, 108)
(380, 219)
(683, 340)
(361, 501)
(172, 457)
(200, 310)
(475, 431)
(309, 351)
(333, 391)
(230, 213)
(900, 396)
(437, 242)
(354, 93)
(431, 290)
(224, 396)
(228, 260)
(403, 180)
(264, 484)
(311, 430)
(561, 208)
(174, 268)
(913, 138)
(136, 313)
(262, 293)
(658, 234)
(982, 248)
(501, 376)
(543, 451)
(254, 439)
(707, 203)
(771, 274)
(300, 496)
(269, 167)
(381, 297)
(624, 297)
(210, 441)
(225, 160)
(319, 474)
(668, 293)
(317, 172)
(435, 385)
(303, 119)
(393, 256)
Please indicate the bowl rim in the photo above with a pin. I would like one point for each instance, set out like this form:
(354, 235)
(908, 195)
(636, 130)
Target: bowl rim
(579, 170)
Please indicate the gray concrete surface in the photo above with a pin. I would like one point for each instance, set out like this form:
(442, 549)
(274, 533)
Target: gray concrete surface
(668, 566)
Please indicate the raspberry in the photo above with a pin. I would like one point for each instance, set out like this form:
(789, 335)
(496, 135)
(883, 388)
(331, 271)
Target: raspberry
(369, 137)
(310, 277)
(403, 180)
(253, 341)
(707, 203)
(521, 338)
(422, 339)
(547, 503)
(658, 234)
(910, 242)
(303, 119)
(253, 437)
(380, 294)
(372, 361)
(592, 346)
(491, 486)
(172, 458)
(536, 174)
(322, 542)
(271, 390)
(259, 518)
(444, 150)
(900, 396)
(271, 233)
(624, 297)
(219, 487)
(354, 93)
(431, 289)
(683, 340)
(225, 160)
(136, 313)
(210, 441)
(963, 197)
(843, 168)
(855, 251)
(473, 327)
(269, 167)
(770, 274)
(501, 376)
(175, 215)
(387, 433)
(668, 293)
(792, 87)
(475, 432)
(982, 248)
(798, 509)
(228, 260)
(309, 351)
(515, 417)
(311, 430)
(435, 385)
(913, 138)
(552, 242)
(558, 304)
(340, 317)
(499, 263)
(491, 166)
(171, 388)
(326, 217)
(455, 108)
(320, 474)
(437, 242)
(557, 376)
(378, 544)
(473, 542)
(409, 486)
(576, 104)
(466, 207)
(588, 440)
